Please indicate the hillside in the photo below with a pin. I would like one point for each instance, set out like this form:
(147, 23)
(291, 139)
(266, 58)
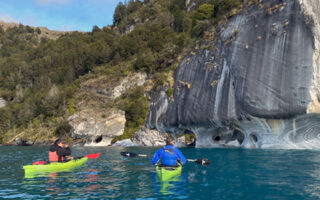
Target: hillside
(45, 81)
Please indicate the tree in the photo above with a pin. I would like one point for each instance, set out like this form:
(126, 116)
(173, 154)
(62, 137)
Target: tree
(205, 11)
(133, 5)
(95, 29)
(119, 14)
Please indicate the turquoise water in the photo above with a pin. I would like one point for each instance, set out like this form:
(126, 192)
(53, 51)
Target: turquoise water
(233, 174)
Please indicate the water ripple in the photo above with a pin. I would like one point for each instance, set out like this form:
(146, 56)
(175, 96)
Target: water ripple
(233, 174)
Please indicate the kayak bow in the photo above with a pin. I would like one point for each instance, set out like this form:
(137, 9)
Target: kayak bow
(167, 173)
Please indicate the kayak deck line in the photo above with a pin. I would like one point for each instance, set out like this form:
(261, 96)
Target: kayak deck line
(165, 173)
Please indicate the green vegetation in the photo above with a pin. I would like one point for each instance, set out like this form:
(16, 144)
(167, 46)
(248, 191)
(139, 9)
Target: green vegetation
(39, 76)
(205, 11)
(210, 13)
(190, 137)
(136, 107)
(63, 129)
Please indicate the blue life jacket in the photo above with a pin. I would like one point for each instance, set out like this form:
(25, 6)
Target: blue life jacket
(169, 157)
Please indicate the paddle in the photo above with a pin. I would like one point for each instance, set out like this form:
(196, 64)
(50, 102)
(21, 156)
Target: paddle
(130, 154)
(89, 156)
(200, 161)
(93, 155)
(39, 162)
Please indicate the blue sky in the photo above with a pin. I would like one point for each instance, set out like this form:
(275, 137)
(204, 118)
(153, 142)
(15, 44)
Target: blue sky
(63, 15)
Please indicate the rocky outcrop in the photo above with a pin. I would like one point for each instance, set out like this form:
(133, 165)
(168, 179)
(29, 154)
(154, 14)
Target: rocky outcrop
(101, 86)
(126, 84)
(3, 102)
(144, 137)
(256, 86)
(147, 137)
(97, 127)
(124, 143)
(20, 142)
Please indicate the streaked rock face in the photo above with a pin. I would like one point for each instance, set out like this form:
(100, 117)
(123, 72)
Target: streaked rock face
(257, 86)
(311, 8)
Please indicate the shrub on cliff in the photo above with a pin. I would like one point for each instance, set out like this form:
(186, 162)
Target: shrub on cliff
(199, 28)
(224, 6)
(136, 107)
(205, 11)
(63, 129)
(119, 13)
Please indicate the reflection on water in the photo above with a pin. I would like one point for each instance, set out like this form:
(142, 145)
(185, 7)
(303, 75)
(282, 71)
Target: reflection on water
(313, 170)
(92, 178)
(87, 179)
(172, 186)
(52, 179)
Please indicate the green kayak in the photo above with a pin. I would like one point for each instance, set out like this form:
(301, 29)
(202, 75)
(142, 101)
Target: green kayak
(54, 167)
(167, 173)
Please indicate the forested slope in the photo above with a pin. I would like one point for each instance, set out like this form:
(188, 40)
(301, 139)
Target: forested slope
(39, 75)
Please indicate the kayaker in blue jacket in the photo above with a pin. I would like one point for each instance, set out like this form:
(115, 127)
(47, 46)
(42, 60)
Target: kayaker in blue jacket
(168, 155)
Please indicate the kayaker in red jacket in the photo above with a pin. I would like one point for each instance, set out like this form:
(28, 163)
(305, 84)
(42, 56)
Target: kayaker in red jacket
(59, 152)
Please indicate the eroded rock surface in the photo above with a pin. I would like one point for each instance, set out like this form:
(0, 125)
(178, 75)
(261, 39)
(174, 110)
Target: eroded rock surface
(257, 86)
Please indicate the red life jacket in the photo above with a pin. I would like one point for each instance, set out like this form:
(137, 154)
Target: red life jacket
(53, 156)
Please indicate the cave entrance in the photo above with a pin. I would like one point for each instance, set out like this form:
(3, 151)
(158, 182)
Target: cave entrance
(189, 138)
(98, 139)
(224, 135)
(217, 138)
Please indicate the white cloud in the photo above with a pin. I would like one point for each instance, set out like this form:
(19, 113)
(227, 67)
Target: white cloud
(8, 18)
(49, 2)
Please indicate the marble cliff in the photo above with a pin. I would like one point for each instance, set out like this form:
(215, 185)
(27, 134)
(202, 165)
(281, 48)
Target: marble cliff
(255, 86)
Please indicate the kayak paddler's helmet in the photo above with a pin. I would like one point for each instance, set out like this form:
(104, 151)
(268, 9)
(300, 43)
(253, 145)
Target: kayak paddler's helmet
(170, 140)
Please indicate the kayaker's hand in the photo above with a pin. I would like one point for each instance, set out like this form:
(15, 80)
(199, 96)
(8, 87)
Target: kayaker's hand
(69, 157)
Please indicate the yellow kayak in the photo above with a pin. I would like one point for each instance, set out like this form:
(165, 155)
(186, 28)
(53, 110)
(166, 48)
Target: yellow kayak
(167, 173)
(54, 166)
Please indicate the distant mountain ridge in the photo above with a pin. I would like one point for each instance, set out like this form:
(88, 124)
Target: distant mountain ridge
(45, 32)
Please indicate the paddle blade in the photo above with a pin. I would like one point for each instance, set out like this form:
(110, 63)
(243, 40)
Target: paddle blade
(93, 156)
(39, 162)
(203, 161)
(128, 154)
